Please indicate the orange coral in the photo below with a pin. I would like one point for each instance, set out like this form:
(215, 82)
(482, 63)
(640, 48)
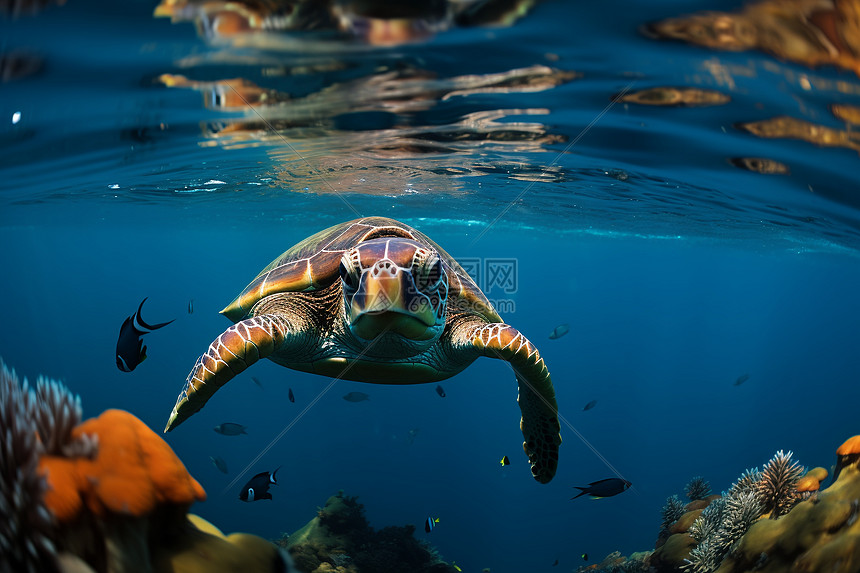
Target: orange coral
(133, 472)
(807, 483)
(850, 446)
(848, 454)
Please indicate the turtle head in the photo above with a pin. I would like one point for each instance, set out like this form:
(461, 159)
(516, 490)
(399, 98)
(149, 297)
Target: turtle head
(396, 285)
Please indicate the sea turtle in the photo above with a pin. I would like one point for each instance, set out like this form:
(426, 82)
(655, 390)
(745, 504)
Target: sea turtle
(374, 300)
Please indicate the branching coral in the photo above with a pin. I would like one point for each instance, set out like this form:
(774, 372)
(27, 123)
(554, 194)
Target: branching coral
(55, 412)
(777, 487)
(27, 526)
(709, 521)
(720, 527)
(671, 512)
(698, 488)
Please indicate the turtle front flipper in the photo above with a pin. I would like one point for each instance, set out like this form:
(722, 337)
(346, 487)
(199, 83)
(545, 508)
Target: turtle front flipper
(238, 347)
(539, 422)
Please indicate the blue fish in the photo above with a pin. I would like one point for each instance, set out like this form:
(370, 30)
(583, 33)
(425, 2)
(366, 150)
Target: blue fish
(219, 463)
(356, 397)
(430, 524)
(258, 486)
(130, 350)
(590, 405)
(604, 488)
(230, 429)
(559, 331)
(291, 396)
(191, 306)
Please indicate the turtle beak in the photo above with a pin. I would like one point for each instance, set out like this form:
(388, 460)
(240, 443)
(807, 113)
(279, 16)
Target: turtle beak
(390, 302)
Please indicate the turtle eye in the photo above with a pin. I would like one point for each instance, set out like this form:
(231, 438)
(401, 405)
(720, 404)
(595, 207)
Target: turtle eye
(434, 272)
(347, 277)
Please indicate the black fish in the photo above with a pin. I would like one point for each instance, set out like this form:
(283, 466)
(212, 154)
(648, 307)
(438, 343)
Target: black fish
(559, 331)
(256, 381)
(191, 306)
(604, 488)
(742, 379)
(430, 524)
(505, 461)
(291, 396)
(590, 405)
(356, 397)
(258, 486)
(584, 556)
(440, 391)
(554, 563)
(130, 350)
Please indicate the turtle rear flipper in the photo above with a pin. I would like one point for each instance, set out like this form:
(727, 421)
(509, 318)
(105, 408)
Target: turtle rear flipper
(539, 422)
(238, 347)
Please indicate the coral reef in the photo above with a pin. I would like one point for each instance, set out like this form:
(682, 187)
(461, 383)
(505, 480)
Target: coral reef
(617, 563)
(340, 540)
(104, 495)
(702, 544)
(698, 488)
(821, 534)
(26, 528)
(772, 520)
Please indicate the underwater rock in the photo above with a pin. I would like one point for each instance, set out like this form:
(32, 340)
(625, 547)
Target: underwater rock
(617, 563)
(107, 495)
(340, 539)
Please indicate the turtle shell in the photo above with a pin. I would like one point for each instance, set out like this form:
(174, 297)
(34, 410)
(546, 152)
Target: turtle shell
(313, 265)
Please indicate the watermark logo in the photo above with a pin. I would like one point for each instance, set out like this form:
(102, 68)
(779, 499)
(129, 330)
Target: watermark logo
(496, 277)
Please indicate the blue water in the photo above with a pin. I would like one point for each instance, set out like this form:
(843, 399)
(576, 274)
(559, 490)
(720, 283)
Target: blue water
(676, 271)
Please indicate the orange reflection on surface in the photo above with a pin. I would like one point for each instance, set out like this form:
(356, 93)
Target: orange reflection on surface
(809, 32)
(792, 128)
(677, 97)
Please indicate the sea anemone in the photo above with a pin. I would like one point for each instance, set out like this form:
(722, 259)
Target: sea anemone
(673, 510)
(776, 489)
(698, 488)
(27, 526)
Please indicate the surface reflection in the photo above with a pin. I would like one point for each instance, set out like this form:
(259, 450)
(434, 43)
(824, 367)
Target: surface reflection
(375, 22)
(808, 32)
(389, 115)
(793, 128)
(676, 97)
(812, 33)
(309, 105)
